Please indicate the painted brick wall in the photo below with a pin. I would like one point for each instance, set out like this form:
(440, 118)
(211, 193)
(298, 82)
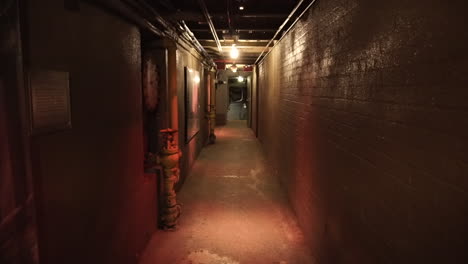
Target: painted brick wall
(367, 126)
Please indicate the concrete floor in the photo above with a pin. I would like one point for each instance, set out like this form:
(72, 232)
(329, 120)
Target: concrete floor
(233, 211)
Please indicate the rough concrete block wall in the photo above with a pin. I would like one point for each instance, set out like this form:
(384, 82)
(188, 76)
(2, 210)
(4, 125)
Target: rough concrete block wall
(95, 203)
(366, 124)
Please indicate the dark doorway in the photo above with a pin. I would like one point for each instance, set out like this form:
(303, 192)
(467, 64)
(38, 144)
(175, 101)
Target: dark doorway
(238, 98)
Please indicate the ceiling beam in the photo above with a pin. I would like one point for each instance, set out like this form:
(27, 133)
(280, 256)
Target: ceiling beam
(256, 42)
(239, 36)
(238, 30)
(197, 16)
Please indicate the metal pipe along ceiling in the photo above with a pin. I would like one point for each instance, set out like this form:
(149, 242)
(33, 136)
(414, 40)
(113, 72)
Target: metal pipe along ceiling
(210, 24)
(280, 28)
(228, 12)
(293, 23)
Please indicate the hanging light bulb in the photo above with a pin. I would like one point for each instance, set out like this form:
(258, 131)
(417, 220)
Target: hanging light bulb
(234, 68)
(241, 7)
(240, 78)
(234, 52)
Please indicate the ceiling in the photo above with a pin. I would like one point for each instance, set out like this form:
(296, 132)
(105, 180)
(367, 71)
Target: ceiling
(250, 29)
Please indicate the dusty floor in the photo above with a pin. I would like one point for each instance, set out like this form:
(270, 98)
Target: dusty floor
(233, 212)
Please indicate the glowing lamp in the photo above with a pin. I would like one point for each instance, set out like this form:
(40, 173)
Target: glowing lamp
(240, 78)
(196, 79)
(234, 52)
(234, 68)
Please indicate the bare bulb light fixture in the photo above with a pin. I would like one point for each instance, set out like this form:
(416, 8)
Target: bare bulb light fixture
(234, 52)
(234, 68)
(240, 78)
(241, 7)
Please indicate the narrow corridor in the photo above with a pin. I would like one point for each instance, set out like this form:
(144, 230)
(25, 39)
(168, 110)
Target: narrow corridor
(284, 131)
(234, 210)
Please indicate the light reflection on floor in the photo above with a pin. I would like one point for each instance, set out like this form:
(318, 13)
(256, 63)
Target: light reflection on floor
(234, 211)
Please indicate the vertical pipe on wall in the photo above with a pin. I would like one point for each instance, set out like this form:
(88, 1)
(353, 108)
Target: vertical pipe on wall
(212, 105)
(166, 87)
(170, 153)
(172, 83)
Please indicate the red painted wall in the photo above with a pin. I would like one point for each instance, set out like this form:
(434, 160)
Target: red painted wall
(95, 205)
(363, 113)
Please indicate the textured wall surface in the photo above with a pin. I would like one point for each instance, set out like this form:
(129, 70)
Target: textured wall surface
(363, 112)
(95, 204)
(254, 103)
(190, 149)
(222, 97)
(18, 240)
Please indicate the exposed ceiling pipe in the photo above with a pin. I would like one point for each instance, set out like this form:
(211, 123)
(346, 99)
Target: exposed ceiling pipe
(228, 3)
(191, 36)
(280, 28)
(263, 15)
(238, 30)
(145, 17)
(187, 33)
(196, 16)
(294, 23)
(210, 24)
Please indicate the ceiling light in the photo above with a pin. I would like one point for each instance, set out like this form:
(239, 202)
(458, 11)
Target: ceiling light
(240, 78)
(234, 52)
(234, 68)
(196, 79)
(241, 7)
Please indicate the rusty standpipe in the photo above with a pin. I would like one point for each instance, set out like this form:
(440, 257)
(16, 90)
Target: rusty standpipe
(168, 158)
(212, 108)
(170, 154)
(212, 121)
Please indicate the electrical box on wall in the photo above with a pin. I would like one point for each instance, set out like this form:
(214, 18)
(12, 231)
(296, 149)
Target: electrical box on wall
(49, 93)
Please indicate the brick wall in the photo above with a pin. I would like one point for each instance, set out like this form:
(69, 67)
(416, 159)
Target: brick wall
(367, 126)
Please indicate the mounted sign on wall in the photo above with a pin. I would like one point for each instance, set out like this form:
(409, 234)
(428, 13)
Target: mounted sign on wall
(50, 101)
(192, 103)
